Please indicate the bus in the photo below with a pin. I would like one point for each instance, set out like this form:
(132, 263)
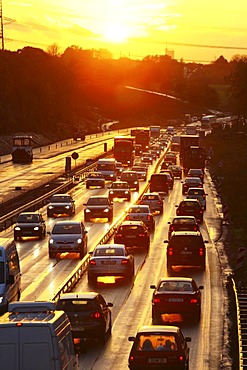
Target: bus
(22, 151)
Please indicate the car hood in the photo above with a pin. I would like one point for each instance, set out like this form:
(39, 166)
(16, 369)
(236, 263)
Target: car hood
(27, 224)
(59, 204)
(97, 206)
(65, 237)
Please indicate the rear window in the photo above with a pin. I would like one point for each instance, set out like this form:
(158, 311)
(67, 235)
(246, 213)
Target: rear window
(189, 205)
(175, 286)
(155, 342)
(76, 305)
(150, 197)
(187, 221)
(181, 241)
(108, 252)
(158, 178)
(130, 230)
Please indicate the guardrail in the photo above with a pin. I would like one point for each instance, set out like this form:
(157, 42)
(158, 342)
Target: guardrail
(78, 272)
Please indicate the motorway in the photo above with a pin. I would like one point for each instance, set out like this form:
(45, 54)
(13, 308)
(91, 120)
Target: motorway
(42, 277)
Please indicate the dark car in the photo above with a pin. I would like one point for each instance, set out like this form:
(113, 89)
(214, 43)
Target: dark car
(154, 201)
(174, 295)
(29, 224)
(169, 177)
(133, 234)
(176, 170)
(183, 223)
(196, 172)
(159, 183)
(68, 236)
(131, 177)
(89, 315)
(166, 164)
(110, 260)
(119, 189)
(190, 207)
(98, 206)
(61, 204)
(185, 248)
(172, 157)
(95, 179)
(159, 347)
(191, 182)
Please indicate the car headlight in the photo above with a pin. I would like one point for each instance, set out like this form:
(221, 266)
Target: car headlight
(1, 299)
(79, 241)
(17, 228)
(135, 182)
(106, 210)
(111, 192)
(67, 207)
(111, 175)
(36, 228)
(50, 207)
(51, 241)
(126, 192)
(87, 210)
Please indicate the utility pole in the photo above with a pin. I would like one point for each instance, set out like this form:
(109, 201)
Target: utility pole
(1, 25)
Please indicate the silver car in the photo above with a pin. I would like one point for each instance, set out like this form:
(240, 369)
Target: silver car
(68, 236)
(110, 260)
(141, 213)
(198, 193)
(61, 204)
(141, 172)
(154, 201)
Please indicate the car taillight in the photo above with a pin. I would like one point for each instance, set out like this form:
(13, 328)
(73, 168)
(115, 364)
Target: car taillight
(201, 252)
(141, 202)
(142, 234)
(96, 315)
(172, 228)
(181, 358)
(201, 211)
(124, 262)
(159, 202)
(127, 217)
(148, 217)
(193, 300)
(170, 251)
(92, 262)
(119, 236)
(195, 228)
(131, 358)
(156, 300)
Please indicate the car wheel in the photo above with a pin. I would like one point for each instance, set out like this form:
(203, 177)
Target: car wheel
(52, 254)
(82, 253)
(128, 199)
(110, 218)
(103, 337)
(103, 186)
(109, 331)
(41, 236)
(203, 266)
(156, 320)
(137, 188)
(86, 219)
(161, 211)
(92, 279)
(197, 316)
(169, 268)
(87, 186)
(16, 237)
(147, 248)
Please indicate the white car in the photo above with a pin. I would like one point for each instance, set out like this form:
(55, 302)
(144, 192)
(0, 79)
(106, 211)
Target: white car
(141, 213)
(154, 201)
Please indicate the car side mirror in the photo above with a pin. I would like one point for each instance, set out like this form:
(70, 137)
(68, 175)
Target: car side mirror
(11, 279)
(152, 286)
(187, 339)
(205, 241)
(131, 339)
(109, 304)
(48, 232)
(201, 287)
(166, 241)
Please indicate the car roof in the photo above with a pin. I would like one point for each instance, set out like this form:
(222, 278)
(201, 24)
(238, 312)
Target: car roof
(79, 295)
(60, 195)
(29, 213)
(130, 223)
(186, 233)
(158, 329)
(112, 245)
(67, 222)
(196, 189)
(144, 206)
(178, 278)
(183, 217)
(98, 196)
(190, 179)
(120, 182)
(153, 193)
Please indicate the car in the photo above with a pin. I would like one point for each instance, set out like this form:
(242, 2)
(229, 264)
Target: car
(141, 172)
(185, 248)
(60, 205)
(119, 168)
(140, 212)
(119, 189)
(159, 347)
(154, 154)
(190, 207)
(154, 201)
(89, 315)
(169, 178)
(29, 224)
(196, 172)
(138, 149)
(183, 223)
(165, 164)
(95, 179)
(176, 295)
(132, 179)
(199, 194)
(133, 234)
(191, 182)
(68, 236)
(159, 183)
(172, 157)
(110, 260)
(176, 170)
(147, 158)
(98, 206)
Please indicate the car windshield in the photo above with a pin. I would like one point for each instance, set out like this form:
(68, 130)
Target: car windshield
(156, 342)
(66, 229)
(98, 201)
(28, 218)
(150, 197)
(2, 272)
(60, 199)
(76, 305)
(109, 252)
(139, 210)
(175, 286)
(94, 175)
(128, 175)
(120, 185)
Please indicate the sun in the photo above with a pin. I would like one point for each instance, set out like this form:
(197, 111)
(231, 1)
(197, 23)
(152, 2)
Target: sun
(116, 33)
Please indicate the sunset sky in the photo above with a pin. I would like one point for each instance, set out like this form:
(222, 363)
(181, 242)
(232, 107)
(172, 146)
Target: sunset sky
(197, 30)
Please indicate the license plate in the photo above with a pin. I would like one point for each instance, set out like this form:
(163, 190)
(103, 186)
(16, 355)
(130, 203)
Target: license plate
(186, 252)
(157, 360)
(175, 300)
(108, 262)
(130, 236)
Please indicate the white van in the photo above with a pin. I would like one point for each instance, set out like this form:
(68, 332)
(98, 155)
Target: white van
(33, 335)
(108, 168)
(10, 275)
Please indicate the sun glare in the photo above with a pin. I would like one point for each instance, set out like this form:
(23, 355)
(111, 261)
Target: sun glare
(116, 33)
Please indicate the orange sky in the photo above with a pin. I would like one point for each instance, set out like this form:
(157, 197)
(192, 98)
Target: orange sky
(197, 30)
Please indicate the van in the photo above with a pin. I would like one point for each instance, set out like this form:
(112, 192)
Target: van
(10, 276)
(33, 335)
(108, 168)
(159, 183)
(186, 248)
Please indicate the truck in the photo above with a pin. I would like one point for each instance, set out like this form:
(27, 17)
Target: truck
(34, 335)
(143, 137)
(207, 121)
(123, 150)
(191, 129)
(22, 151)
(187, 141)
(154, 131)
(194, 157)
